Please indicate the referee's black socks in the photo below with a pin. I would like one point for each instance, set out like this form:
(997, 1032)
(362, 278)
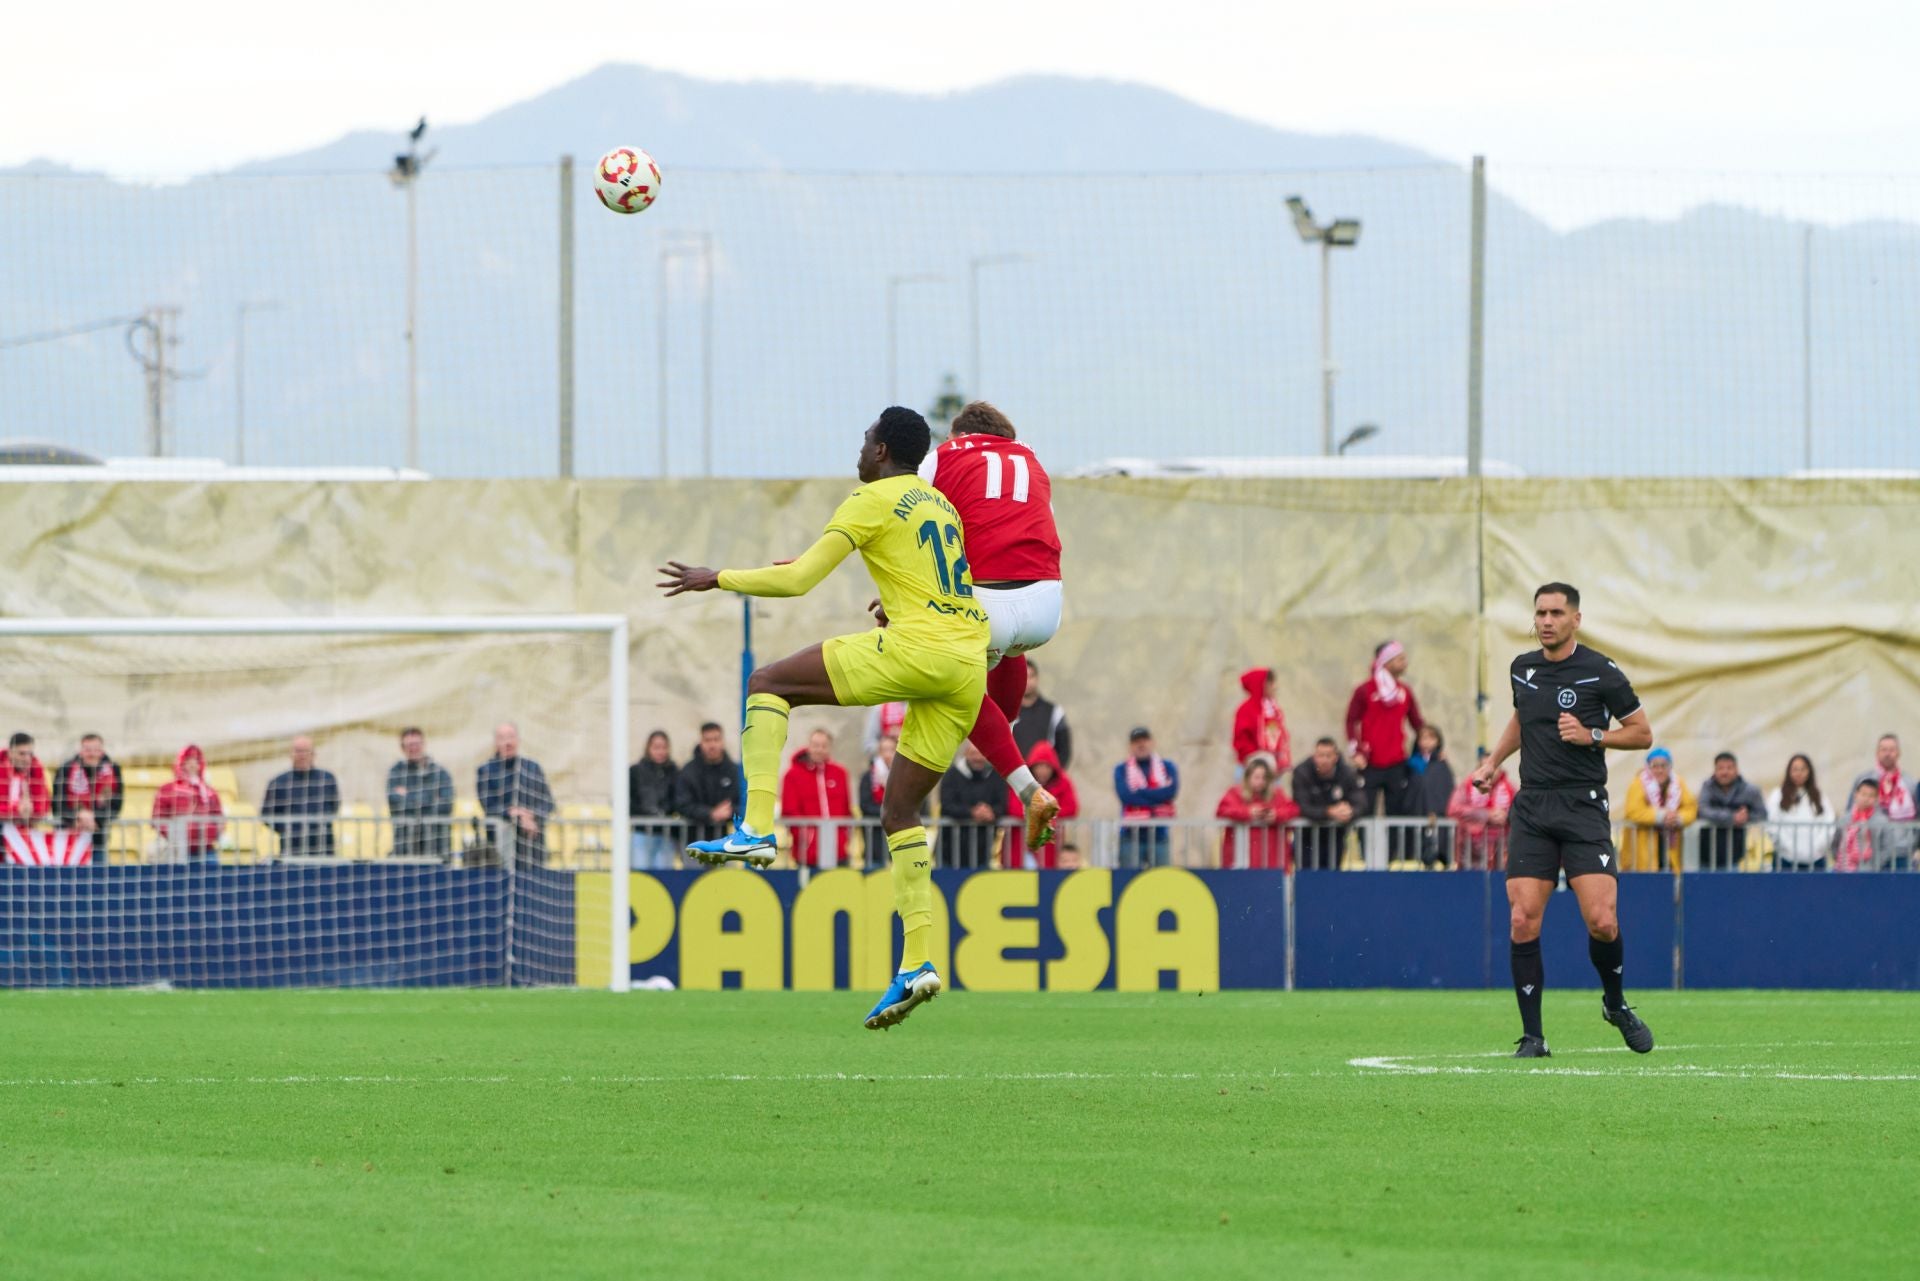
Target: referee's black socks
(1529, 978)
(1609, 957)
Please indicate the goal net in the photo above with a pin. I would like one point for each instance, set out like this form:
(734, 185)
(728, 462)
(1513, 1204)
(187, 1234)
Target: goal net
(311, 802)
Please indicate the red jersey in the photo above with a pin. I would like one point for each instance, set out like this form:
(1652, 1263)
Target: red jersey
(1005, 503)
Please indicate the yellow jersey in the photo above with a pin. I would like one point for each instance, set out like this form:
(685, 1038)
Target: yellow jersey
(911, 539)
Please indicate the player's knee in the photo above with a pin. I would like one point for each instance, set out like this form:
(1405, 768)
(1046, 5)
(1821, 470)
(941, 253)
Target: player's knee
(762, 682)
(1604, 925)
(1521, 927)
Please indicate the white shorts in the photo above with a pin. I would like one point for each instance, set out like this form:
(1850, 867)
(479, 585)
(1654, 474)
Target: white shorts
(1019, 618)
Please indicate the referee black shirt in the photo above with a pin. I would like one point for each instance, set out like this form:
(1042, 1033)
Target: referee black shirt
(1586, 683)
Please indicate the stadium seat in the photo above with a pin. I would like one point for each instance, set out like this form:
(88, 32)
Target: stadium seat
(145, 778)
(243, 838)
(356, 835)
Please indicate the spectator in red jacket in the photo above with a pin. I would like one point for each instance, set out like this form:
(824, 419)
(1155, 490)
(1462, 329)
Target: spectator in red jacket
(1380, 716)
(1045, 764)
(1260, 725)
(816, 786)
(178, 805)
(23, 783)
(1482, 818)
(1265, 810)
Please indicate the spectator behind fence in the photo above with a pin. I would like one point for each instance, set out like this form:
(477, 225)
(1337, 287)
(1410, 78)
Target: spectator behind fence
(1482, 819)
(1379, 716)
(1660, 806)
(1045, 764)
(187, 811)
(1330, 795)
(23, 783)
(1148, 786)
(816, 786)
(304, 790)
(973, 799)
(1728, 805)
(649, 803)
(1259, 726)
(1430, 794)
(419, 800)
(708, 790)
(87, 795)
(514, 788)
(1867, 842)
(1897, 800)
(883, 721)
(1259, 812)
(1802, 820)
(1042, 722)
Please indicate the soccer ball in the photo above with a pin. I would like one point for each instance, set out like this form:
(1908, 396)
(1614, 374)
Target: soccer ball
(626, 180)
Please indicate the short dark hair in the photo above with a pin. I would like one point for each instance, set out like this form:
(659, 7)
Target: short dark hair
(661, 735)
(20, 739)
(983, 419)
(712, 725)
(410, 731)
(92, 738)
(1726, 756)
(1326, 742)
(1568, 590)
(905, 434)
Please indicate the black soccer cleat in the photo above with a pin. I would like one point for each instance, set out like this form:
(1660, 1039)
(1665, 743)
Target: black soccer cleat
(1532, 1047)
(1637, 1035)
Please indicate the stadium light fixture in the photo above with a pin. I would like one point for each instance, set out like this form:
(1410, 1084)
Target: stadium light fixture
(1365, 431)
(406, 175)
(1341, 233)
(893, 325)
(973, 307)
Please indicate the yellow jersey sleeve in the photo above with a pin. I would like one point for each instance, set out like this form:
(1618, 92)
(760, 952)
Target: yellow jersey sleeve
(861, 517)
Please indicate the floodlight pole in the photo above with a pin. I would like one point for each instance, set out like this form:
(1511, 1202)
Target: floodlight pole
(1341, 233)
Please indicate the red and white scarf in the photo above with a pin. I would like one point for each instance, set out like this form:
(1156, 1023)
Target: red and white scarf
(1895, 799)
(1857, 850)
(1669, 808)
(1155, 775)
(1386, 686)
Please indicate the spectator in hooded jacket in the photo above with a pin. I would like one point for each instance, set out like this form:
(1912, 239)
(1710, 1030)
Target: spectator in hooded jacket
(1042, 722)
(1380, 716)
(1660, 806)
(1258, 811)
(87, 795)
(419, 800)
(514, 788)
(1259, 725)
(1899, 799)
(1482, 819)
(23, 783)
(816, 786)
(1728, 803)
(1045, 764)
(707, 793)
(1429, 793)
(1802, 820)
(1331, 795)
(655, 846)
(306, 791)
(1147, 785)
(973, 800)
(187, 811)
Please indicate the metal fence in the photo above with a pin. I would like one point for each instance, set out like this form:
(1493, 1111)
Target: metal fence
(1556, 321)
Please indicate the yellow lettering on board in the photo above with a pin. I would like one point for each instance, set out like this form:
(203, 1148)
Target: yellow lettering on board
(980, 962)
(755, 950)
(866, 900)
(1191, 948)
(1086, 949)
(652, 923)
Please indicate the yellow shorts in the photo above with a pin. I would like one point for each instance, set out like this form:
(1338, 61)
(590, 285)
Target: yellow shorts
(942, 691)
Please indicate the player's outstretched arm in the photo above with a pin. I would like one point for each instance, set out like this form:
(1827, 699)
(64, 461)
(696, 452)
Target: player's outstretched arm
(794, 578)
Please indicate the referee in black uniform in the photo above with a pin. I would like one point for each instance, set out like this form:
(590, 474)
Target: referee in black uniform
(1564, 697)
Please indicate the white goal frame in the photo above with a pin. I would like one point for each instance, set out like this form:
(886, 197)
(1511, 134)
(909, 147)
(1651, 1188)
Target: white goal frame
(613, 626)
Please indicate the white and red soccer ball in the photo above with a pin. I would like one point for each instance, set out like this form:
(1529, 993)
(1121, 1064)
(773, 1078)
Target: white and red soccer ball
(626, 180)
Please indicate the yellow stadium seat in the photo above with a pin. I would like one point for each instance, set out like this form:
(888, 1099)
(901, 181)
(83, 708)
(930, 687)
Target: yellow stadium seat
(221, 779)
(243, 838)
(145, 778)
(356, 836)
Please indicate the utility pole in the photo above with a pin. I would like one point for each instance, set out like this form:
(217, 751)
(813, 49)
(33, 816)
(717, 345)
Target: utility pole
(161, 325)
(406, 175)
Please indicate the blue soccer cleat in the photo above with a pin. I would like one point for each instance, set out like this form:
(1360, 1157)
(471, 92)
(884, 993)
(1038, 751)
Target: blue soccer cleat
(907, 990)
(739, 845)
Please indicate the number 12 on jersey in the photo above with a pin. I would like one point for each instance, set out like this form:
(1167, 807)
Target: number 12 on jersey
(953, 579)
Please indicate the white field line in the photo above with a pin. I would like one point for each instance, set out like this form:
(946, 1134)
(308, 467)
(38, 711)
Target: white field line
(750, 1078)
(1423, 1065)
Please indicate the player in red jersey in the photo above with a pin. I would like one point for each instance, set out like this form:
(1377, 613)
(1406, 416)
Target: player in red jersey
(1005, 501)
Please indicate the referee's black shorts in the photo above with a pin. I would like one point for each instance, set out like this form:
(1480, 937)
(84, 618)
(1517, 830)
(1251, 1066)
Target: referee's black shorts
(1553, 829)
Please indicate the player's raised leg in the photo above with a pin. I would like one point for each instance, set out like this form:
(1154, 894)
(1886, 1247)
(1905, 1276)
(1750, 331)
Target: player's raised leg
(992, 733)
(1527, 903)
(1599, 896)
(917, 980)
(799, 680)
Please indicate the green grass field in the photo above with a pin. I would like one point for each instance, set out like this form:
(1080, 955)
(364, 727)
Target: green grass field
(579, 1134)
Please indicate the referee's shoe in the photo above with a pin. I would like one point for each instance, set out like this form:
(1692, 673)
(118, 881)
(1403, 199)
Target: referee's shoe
(1532, 1047)
(1637, 1035)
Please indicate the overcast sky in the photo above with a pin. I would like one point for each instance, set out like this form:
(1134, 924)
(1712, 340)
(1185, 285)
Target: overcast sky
(1761, 86)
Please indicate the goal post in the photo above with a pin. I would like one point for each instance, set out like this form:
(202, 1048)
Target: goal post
(43, 660)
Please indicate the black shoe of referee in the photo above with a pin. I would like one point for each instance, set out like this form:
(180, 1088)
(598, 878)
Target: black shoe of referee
(1532, 1047)
(1637, 1035)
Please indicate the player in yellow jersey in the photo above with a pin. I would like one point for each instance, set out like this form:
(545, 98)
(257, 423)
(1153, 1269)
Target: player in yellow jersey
(932, 654)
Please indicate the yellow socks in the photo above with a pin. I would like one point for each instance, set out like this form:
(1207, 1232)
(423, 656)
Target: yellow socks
(913, 892)
(761, 742)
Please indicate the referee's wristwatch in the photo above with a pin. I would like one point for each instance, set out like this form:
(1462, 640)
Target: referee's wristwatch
(1599, 738)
